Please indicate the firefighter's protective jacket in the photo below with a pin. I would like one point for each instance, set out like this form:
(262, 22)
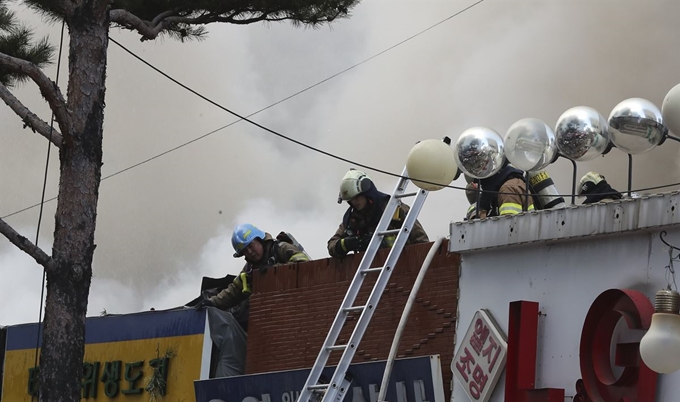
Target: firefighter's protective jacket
(505, 193)
(360, 223)
(274, 253)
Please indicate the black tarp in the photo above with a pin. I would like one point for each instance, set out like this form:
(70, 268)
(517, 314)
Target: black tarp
(227, 330)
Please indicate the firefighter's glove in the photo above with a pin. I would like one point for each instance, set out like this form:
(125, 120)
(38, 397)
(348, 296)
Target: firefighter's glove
(365, 240)
(350, 243)
(204, 303)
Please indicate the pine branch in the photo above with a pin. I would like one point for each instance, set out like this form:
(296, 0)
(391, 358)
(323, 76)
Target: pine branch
(29, 118)
(185, 19)
(48, 88)
(26, 246)
(146, 29)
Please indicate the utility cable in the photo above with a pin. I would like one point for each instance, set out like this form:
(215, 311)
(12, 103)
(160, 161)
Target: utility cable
(262, 109)
(246, 118)
(42, 203)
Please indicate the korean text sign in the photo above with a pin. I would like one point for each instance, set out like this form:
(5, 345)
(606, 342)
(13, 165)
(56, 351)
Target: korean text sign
(126, 356)
(481, 357)
(416, 379)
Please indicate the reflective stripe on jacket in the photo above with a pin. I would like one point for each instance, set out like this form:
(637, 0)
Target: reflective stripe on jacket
(512, 195)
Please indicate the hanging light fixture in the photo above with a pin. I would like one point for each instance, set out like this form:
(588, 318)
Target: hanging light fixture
(660, 347)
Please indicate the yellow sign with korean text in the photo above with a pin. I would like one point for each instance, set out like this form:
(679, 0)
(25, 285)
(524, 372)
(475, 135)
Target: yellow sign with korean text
(155, 355)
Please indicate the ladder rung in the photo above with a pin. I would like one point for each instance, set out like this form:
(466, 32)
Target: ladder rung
(388, 232)
(336, 347)
(369, 270)
(317, 387)
(353, 308)
(405, 195)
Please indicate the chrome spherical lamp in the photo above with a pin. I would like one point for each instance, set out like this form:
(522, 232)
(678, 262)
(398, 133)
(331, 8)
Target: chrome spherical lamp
(636, 126)
(582, 134)
(479, 152)
(530, 144)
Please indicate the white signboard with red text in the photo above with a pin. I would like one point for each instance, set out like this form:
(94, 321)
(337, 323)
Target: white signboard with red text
(574, 312)
(481, 357)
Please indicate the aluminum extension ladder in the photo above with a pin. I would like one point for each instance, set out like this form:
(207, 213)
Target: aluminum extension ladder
(339, 383)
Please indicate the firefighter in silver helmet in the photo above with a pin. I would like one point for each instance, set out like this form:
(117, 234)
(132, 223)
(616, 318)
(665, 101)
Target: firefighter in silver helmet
(366, 206)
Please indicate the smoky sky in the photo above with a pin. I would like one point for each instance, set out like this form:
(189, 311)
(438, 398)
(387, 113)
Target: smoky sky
(163, 225)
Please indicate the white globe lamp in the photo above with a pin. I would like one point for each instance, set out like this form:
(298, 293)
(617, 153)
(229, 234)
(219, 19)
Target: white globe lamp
(431, 164)
(670, 110)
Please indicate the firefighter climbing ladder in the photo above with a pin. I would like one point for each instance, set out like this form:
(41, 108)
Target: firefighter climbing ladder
(336, 388)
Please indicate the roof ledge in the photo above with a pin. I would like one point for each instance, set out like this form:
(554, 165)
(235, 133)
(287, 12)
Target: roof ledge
(624, 215)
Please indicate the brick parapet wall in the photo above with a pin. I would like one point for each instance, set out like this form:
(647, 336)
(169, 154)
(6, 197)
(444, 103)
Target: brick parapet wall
(294, 305)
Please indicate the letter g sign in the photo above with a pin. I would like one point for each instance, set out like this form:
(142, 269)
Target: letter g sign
(637, 382)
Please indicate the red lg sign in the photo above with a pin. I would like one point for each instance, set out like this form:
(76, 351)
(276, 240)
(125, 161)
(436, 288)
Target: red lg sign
(637, 382)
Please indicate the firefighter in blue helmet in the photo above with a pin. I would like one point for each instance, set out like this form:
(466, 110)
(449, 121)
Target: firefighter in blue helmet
(366, 206)
(260, 250)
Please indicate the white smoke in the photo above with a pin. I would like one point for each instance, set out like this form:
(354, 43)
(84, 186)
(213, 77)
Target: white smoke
(165, 224)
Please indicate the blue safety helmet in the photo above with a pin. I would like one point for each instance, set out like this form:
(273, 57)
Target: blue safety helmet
(244, 235)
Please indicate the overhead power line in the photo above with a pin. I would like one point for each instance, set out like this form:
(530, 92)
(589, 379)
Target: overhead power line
(246, 117)
(240, 118)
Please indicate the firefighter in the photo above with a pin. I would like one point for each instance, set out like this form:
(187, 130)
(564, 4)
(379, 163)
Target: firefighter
(504, 193)
(261, 251)
(366, 206)
(595, 188)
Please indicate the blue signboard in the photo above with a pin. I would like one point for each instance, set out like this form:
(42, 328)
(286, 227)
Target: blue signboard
(416, 379)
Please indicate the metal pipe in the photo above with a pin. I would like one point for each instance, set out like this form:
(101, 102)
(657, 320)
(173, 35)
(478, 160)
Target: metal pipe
(478, 212)
(573, 182)
(672, 137)
(630, 174)
(404, 317)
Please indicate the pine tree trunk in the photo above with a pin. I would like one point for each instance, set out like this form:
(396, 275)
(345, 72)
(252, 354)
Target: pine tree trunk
(68, 285)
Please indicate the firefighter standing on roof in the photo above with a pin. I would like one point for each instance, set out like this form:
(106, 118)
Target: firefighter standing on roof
(366, 206)
(261, 250)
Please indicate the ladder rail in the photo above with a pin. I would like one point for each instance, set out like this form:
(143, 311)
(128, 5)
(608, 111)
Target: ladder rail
(375, 296)
(333, 387)
(350, 296)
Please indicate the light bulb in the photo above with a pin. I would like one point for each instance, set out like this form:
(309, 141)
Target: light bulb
(660, 347)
